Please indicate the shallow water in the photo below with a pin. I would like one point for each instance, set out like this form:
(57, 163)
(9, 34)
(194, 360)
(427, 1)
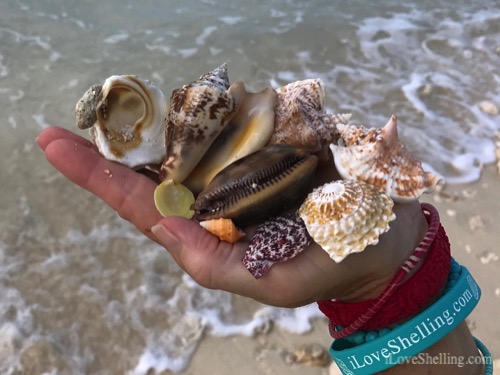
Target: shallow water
(81, 288)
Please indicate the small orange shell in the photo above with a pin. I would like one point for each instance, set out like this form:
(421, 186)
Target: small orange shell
(224, 229)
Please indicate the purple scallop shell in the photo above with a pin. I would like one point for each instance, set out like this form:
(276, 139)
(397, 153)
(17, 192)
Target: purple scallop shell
(276, 240)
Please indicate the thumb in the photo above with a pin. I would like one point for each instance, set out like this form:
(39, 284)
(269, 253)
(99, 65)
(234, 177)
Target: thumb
(178, 234)
(199, 253)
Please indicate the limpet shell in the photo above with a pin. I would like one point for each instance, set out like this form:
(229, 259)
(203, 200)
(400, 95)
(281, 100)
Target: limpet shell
(345, 216)
(173, 199)
(378, 157)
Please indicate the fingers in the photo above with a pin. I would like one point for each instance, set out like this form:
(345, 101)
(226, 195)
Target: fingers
(52, 133)
(127, 192)
(211, 262)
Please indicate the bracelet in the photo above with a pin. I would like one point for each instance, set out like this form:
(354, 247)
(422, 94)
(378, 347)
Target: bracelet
(398, 301)
(363, 336)
(412, 337)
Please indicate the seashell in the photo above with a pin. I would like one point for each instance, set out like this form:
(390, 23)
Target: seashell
(126, 117)
(345, 216)
(85, 110)
(173, 199)
(224, 229)
(276, 240)
(301, 121)
(258, 185)
(198, 113)
(248, 131)
(377, 156)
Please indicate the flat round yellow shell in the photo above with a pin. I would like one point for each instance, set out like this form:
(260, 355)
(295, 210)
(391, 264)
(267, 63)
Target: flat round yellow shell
(174, 199)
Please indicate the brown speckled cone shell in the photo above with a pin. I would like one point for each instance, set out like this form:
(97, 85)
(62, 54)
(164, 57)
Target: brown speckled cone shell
(248, 131)
(198, 113)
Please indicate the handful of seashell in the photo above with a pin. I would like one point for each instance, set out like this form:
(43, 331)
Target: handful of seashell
(230, 158)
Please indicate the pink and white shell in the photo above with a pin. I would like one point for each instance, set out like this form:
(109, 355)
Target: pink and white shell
(378, 157)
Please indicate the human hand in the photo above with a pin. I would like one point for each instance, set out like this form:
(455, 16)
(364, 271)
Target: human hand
(215, 264)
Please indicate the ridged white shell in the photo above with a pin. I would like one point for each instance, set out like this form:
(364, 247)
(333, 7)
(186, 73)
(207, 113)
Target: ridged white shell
(345, 216)
(376, 156)
(130, 124)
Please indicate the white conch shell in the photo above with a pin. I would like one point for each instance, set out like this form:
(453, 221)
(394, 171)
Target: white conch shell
(248, 131)
(199, 111)
(301, 121)
(376, 156)
(130, 120)
(345, 216)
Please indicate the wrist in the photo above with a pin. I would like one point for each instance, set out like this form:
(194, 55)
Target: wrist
(416, 335)
(400, 300)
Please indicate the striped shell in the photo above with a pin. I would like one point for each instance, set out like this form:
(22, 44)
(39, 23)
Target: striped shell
(198, 113)
(345, 216)
(378, 157)
(248, 131)
(258, 186)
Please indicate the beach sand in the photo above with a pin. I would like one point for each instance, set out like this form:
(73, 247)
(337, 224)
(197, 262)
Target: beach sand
(470, 214)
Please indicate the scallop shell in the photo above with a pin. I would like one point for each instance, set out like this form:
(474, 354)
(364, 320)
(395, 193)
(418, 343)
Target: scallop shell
(376, 156)
(249, 130)
(126, 117)
(301, 121)
(276, 240)
(224, 229)
(199, 111)
(345, 216)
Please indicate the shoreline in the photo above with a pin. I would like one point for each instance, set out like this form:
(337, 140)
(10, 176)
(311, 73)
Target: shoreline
(469, 213)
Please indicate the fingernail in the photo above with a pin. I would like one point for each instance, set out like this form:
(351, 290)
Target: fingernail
(166, 238)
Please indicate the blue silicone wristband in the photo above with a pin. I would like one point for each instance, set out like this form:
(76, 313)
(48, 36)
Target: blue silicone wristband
(412, 337)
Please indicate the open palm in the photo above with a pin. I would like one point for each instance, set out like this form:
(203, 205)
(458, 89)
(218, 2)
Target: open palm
(215, 264)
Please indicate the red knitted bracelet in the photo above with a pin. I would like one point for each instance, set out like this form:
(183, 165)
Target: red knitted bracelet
(411, 297)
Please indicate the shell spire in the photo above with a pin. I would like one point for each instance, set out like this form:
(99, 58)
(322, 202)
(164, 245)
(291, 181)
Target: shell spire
(378, 157)
(217, 78)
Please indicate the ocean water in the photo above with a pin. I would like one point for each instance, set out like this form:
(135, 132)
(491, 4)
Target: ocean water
(82, 291)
